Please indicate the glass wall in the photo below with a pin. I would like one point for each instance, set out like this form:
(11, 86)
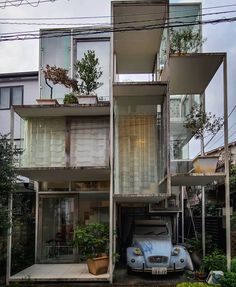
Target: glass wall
(55, 51)
(44, 142)
(180, 107)
(59, 214)
(182, 15)
(140, 162)
(102, 52)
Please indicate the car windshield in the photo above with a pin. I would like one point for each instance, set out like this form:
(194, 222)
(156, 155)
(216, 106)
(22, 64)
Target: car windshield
(151, 230)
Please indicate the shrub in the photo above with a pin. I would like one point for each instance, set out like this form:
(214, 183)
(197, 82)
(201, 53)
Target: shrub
(215, 261)
(70, 99)
(228, 280)
(233, 265)
(194, 284)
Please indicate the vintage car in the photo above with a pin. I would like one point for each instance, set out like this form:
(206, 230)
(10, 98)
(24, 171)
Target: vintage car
(152, 249)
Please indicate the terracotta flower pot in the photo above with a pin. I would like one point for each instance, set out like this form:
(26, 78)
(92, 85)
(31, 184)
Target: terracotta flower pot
(47, 102)
(98, 265)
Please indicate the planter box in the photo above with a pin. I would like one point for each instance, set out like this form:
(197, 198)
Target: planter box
(205, 164)
(47, 102)
(87, 100)
(98, 265)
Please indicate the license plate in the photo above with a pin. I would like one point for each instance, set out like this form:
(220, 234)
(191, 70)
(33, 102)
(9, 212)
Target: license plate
(159, 270)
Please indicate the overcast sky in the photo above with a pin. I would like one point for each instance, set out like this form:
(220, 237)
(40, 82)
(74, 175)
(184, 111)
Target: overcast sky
(19, 56)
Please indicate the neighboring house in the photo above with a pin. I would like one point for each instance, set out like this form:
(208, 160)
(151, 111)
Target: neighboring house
(16, 89)
(221, 153)
(121, 159)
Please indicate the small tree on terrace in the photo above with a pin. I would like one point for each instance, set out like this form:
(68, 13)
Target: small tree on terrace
(88, 72)
(201, 123)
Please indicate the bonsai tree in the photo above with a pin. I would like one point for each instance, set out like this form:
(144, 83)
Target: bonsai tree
(87, 71)
(92, 240)
(200, 123)
(59, 76)
(185, 40)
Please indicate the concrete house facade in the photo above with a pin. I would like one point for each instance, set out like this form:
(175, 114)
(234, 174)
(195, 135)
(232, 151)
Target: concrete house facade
(126, 157)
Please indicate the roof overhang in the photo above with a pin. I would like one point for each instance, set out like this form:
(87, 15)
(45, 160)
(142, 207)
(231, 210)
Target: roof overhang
(192, 73)
(65, 174)
(136, 40)
(32, 111)
(196, 179)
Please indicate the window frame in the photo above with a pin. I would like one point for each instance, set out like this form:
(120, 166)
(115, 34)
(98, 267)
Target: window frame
(11, 95)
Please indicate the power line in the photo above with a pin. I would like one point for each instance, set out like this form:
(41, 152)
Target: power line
(109, 29)
(18, 3)
(106, 16)
(220, 138)
(233, 109)
(118, 23)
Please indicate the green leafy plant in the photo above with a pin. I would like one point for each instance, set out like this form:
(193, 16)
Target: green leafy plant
(215, 261)
(185, 40)
(195, 244)
(70, 99)
(233, 264)
(228, 280)
(88, 72)
(194, 284)
(232, 177)
(200, 123)
(92, 240)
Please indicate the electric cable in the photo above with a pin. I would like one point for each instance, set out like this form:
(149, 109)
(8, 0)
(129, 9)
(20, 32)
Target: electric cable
(95, 30)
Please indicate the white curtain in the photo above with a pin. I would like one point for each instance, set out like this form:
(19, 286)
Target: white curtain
(137, 154)
(44, 144)
(90, 142)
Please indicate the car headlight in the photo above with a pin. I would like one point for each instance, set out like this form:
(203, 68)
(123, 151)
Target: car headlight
(137, 251)
(175, 251)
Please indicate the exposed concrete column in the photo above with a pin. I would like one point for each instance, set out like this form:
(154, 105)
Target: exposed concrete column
(227, 187)
(203, 223)
(182, 206)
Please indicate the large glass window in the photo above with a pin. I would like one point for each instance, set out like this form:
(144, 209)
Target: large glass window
(55, 51)
(10, 96)
(140, 155)
(59, 214)
(102, 52)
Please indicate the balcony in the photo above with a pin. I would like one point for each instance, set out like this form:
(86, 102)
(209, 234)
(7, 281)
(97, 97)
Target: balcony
(66, 143)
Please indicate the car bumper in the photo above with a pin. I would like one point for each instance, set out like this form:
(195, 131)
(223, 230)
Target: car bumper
(149, 270)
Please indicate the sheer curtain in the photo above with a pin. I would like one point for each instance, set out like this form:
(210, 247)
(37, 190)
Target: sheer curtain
(44, 144)
(137, 153)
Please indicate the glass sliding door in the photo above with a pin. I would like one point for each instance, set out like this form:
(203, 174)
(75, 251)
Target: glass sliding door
(58, 215)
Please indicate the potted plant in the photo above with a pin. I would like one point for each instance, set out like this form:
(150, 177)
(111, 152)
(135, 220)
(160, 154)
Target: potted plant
(87, 72)
(70, 99)
(185, 40)
(201, 123)
(201, 274)
(92, 242)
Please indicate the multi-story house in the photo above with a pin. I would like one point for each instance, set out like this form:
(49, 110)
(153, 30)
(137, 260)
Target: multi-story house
(126, 157)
